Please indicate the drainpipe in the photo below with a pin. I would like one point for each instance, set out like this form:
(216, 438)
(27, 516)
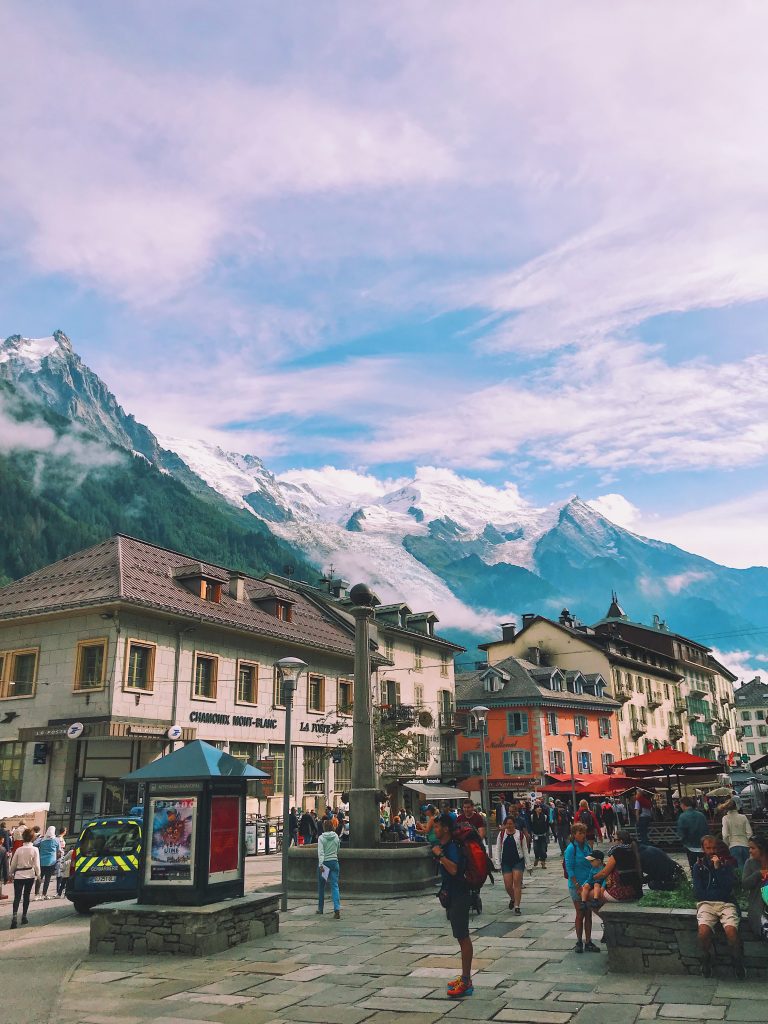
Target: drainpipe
(174, 703)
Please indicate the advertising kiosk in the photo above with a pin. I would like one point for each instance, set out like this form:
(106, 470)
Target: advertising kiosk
(194, 826)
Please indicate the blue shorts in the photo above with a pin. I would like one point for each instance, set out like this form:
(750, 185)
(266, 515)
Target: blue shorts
(517, 866)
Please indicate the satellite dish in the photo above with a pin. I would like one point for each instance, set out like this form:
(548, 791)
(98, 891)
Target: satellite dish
(75, 731)
(174, 733)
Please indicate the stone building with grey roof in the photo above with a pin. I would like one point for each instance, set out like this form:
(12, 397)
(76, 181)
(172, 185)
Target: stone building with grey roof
(129, 639)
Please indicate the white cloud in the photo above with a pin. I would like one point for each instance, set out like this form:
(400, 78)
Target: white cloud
(683, 580)
(731, 532)
(745, 664)
(137, 181)
(72, 449)
(618, 509)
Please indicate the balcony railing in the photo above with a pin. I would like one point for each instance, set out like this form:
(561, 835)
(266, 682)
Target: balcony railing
(680, 704)
(698, 690)
(623, 695)
(448, 721)
(455, 769)
(675, 733)
(638, 728)
(401, 716)
(654, 700)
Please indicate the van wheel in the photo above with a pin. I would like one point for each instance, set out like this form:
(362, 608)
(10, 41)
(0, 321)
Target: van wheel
(81, 907)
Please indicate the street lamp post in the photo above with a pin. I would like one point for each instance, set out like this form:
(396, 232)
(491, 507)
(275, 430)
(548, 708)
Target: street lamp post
(569, 737)
(288, 670)
(481, 714)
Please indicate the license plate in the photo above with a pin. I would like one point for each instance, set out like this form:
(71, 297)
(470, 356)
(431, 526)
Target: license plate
(103, 879)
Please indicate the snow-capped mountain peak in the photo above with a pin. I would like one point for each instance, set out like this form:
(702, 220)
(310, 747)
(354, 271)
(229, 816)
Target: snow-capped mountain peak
(32, 351)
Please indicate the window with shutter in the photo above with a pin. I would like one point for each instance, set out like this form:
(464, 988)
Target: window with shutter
(517, 723)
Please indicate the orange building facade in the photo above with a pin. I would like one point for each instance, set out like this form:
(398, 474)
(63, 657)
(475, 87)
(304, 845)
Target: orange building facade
(530, 710)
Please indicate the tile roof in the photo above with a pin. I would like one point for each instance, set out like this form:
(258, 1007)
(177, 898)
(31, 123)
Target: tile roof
(525, 684)
(129, 571)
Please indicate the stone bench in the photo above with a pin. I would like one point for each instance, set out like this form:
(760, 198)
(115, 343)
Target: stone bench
(659, 940)
(137, 929)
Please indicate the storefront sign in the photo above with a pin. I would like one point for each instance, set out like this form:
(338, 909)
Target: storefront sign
(240, 721)
(54, 732)
(321, 727)
(171, 854)
(146, 730)
(422, 782)
(75, 731)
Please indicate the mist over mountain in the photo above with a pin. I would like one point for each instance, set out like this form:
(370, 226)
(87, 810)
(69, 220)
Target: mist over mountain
(476, 554)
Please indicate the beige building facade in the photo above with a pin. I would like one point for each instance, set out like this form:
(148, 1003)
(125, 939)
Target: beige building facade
(671, 690)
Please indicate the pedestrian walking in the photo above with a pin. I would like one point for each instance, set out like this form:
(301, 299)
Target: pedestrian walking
(63, 864)
(25, 868)
(579, 871)
(455, 897)
(585, 817)
(307, 829)
(736, 833)
(562, 826)
(692, 826)
(471, 816)
(49, 849)
(643, 816)
(609, 819)
(409, 822)
(293, 827)
(5, 856)
(328, 867)
(540, 833)
(509, 858)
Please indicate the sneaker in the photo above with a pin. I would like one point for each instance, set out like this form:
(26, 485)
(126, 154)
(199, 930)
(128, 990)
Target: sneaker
(460, 988)
(24, 920)
(511, 904)
(318, 911)
(579, 947)
(518, 910)
(543, 866)
(14, 923)
(337, 915)
(590, 947)
(739, 970)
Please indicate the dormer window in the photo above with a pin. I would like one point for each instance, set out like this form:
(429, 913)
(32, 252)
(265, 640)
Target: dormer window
(210, 591)
(492, 683)
(556, 682)
(204, 581)
(284, 611)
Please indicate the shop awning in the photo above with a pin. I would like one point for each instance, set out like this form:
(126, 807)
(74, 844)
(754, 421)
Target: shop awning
(16, 809)
(436, 792)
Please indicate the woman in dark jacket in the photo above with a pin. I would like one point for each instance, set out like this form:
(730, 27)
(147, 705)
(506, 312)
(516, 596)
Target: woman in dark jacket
(753, 879)
(540, 833)
(622, 876)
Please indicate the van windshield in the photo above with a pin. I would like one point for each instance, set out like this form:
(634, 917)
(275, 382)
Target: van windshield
(100, 840)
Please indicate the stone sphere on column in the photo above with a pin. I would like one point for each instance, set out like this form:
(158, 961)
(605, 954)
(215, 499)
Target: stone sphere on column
(363, 596)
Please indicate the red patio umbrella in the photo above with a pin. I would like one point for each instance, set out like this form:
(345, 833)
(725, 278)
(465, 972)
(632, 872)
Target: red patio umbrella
(663, 762)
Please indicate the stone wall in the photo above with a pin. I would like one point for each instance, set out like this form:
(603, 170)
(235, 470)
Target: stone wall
(656, 940)
(136, 929)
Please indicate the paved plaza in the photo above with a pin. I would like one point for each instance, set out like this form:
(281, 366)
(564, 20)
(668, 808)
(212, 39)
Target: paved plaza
(392, 959)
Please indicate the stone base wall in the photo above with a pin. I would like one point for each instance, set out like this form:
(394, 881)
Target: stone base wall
(137, 929)
(656, 940)
(388, 871)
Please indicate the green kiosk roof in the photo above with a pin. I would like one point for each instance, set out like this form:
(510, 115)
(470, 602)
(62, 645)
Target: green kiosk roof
(196, 760)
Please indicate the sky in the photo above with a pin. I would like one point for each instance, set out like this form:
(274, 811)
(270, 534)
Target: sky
(525, 241)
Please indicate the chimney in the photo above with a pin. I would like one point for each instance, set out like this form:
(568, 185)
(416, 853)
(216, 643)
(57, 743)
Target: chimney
(528, 619)
(508, 630)
(534, 655)
(337, 587)
(237, 586)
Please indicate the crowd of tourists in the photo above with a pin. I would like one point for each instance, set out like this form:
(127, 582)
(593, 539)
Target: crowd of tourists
(596, 877)
(31, 860)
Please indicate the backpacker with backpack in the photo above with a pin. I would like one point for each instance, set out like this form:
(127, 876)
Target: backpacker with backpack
(478, 866)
